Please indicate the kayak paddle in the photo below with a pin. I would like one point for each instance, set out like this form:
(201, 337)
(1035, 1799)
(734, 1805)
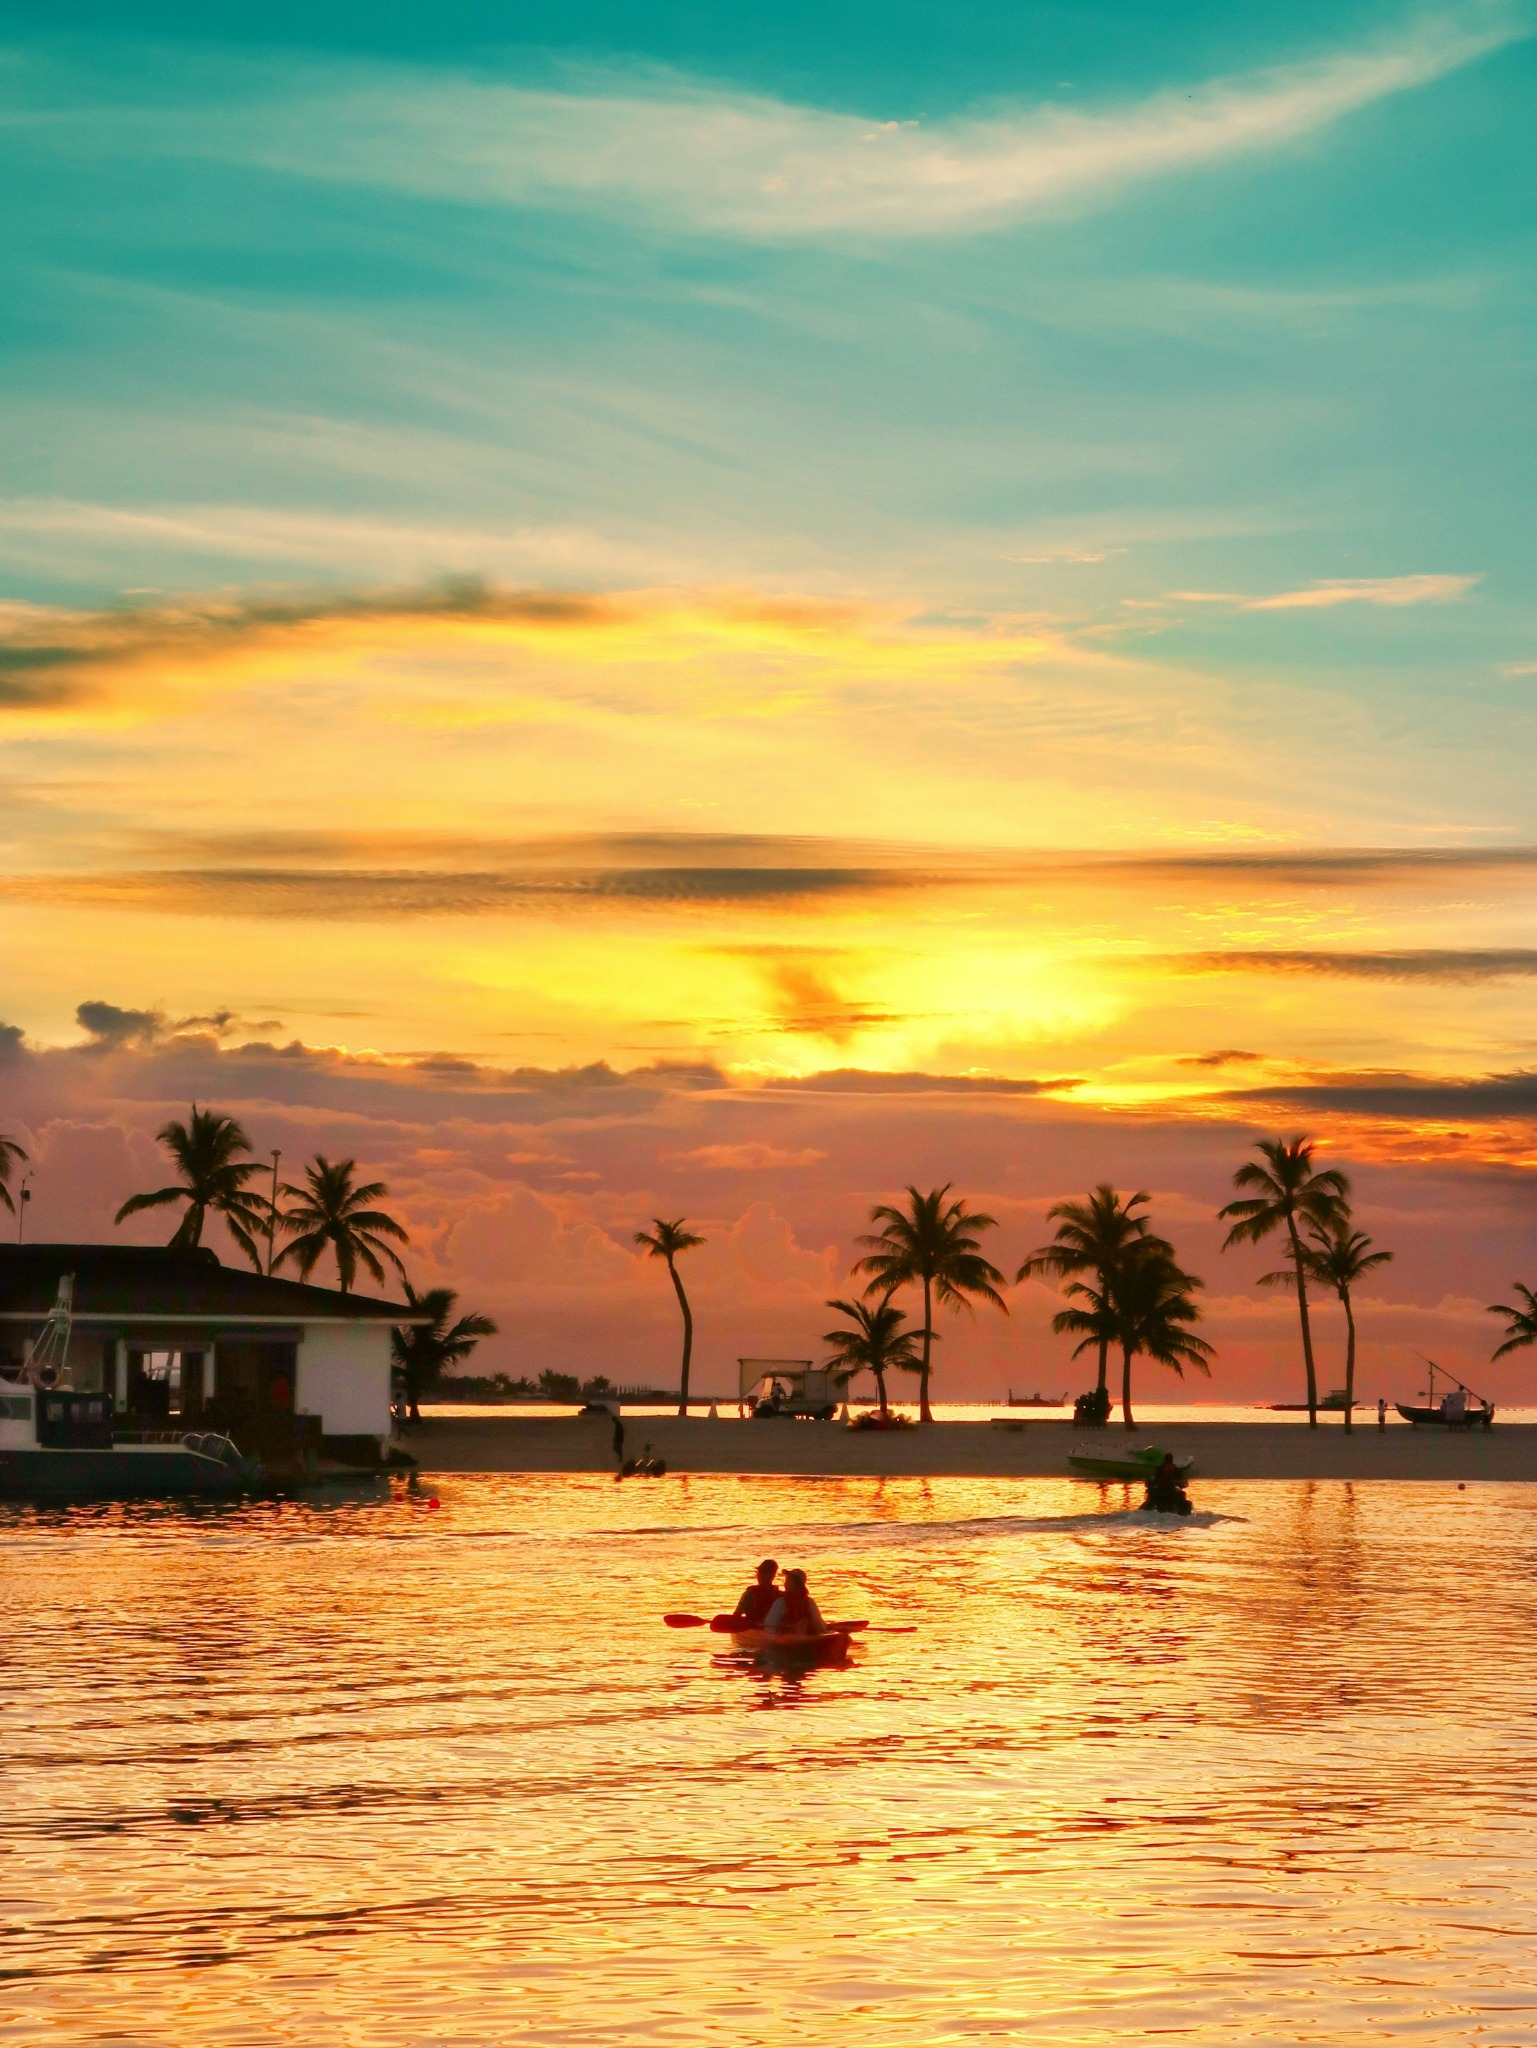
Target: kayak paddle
(721, 1624)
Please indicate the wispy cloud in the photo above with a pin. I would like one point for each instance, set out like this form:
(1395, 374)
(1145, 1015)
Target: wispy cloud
(369, 895)
(861, 1081)
(51, 657)
(744, 164)
(1389, 591)
(753, 1157)
(1378, 590)
(1066, 552)
(1411, 1096)
(1420, 963)
(38, 530)
(371, 875)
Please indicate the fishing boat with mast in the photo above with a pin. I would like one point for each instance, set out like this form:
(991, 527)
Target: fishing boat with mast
(1458, 1408)
(60, 1444)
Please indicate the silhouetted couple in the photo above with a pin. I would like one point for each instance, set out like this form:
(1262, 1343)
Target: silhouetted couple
(781, 1611)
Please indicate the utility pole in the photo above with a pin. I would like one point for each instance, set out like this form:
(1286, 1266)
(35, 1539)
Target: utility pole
(272, 1211)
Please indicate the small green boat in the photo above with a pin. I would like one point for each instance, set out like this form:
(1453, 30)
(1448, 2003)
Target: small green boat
(1137, 1465)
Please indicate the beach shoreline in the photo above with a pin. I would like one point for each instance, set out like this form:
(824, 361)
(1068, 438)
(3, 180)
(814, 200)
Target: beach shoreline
(1032, 1449)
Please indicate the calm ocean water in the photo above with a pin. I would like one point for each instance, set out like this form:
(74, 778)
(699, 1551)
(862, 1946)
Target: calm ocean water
(393, 1773)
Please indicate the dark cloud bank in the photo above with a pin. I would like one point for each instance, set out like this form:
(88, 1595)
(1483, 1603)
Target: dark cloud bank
(154, 1057)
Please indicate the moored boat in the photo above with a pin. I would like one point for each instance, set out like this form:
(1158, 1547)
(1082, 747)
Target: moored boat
(1481, 1417)
(59, 1444)
(1135, 1465)
(1460, 1408)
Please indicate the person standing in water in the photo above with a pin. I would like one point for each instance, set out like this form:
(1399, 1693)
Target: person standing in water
(1382, 1413)
(795, 1613)
(752, 1609)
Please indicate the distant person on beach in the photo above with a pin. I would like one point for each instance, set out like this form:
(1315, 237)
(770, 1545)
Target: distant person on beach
(752, 1609)
(795, 1613)
(1382, 1413)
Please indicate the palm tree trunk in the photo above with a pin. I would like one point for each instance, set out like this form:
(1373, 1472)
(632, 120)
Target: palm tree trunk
(189, 1232)
(1350, 1357)
(1104, 1364)
(925, 1412)
(1126, 1414)
(880, 1389)
(1307, 1328)
(688, 1339)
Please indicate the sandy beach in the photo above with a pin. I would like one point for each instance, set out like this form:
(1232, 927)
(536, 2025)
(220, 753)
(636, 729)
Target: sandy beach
(1027, 1450)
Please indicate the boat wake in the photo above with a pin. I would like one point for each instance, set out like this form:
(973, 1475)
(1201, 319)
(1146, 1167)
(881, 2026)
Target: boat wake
(907, 1533)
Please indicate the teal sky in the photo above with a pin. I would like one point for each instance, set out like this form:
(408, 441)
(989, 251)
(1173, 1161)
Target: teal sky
(1135, 320)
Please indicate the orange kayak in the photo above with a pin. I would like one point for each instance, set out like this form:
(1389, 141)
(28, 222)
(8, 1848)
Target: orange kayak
(831, 1647)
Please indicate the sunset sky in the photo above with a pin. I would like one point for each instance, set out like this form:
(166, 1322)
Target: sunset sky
(632, 610)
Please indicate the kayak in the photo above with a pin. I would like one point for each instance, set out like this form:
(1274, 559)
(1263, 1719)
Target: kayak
(1139, 1465)
(831, 1647)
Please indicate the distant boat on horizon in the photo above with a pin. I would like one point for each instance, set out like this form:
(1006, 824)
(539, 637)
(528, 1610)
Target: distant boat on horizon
(1335, 1401)
(1037, 1400)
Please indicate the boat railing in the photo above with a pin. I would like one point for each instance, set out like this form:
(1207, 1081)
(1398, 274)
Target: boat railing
(204, 1443)
(213, 1443)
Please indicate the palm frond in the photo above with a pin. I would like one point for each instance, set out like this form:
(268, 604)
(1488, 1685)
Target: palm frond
(9, 1151)
(157, 1200)
(666, 1240)
(1521, 1323)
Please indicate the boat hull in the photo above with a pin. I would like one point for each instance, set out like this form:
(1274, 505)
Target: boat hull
(1129, 1469)
(830, 1648)
(1432, 1418)
(157, 1471)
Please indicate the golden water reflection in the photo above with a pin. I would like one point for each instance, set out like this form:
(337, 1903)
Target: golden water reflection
(384, 1773)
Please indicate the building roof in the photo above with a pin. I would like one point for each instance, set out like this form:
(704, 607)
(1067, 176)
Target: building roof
(154, 1283)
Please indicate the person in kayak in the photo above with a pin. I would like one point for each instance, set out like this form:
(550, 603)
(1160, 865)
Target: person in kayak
(1166, 1493)
(795, 1613)
(752, 1610)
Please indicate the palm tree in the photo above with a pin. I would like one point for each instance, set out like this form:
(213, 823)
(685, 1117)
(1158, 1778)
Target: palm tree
(424, 1350)
(204, 1148)
(1094, 1322)
(1521, 1323)
(330, 1211)
(934, 1244)
(1337, 1258)
(1152, 1302)
(1287, 1192)
(666, 1241)
(1092, 1237)
(873, 1341)
(9, 1151)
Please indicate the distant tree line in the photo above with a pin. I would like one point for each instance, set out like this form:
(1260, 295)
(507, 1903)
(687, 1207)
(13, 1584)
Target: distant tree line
(1123, 1286)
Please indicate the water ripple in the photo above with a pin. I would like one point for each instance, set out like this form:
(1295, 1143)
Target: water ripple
(368, 1772)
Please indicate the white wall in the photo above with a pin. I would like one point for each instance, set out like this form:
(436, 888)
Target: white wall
(344, 1377)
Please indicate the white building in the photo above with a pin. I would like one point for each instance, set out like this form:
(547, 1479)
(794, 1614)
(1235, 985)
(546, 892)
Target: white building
(179, 1338)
